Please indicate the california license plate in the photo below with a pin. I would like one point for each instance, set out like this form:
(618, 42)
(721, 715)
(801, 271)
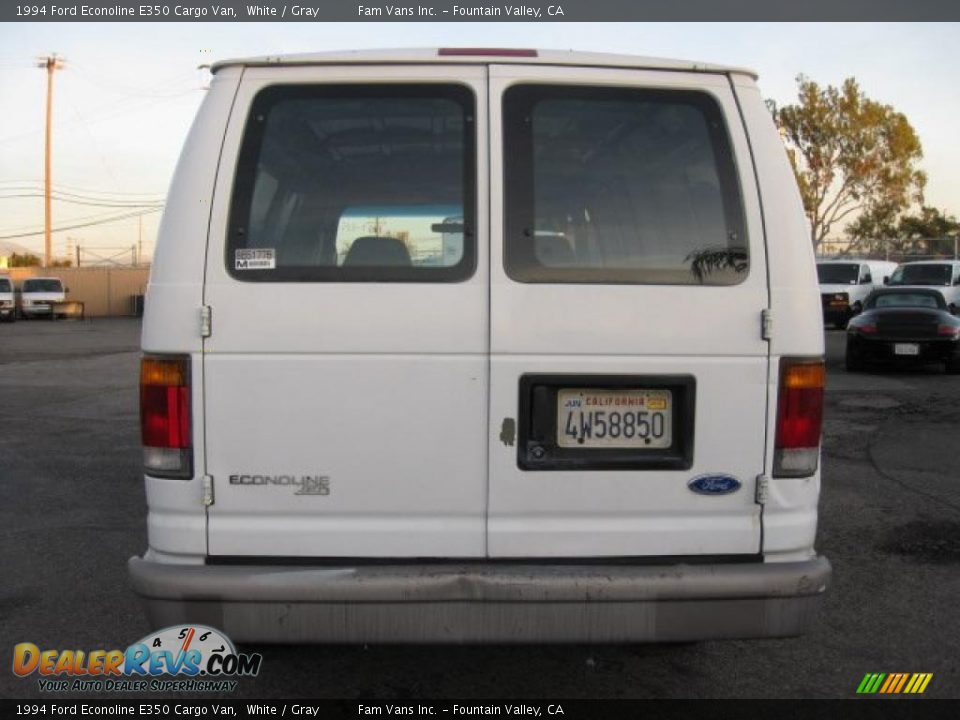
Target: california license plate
(641, 419)
(906, 349)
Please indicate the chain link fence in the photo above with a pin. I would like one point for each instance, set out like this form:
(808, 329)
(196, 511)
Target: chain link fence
(897, 250)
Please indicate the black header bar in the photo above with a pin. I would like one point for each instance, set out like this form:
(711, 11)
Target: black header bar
(473, 11)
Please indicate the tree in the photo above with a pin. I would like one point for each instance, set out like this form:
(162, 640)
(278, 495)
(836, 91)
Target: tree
(929, 231)
(852, 155)
(24, 260)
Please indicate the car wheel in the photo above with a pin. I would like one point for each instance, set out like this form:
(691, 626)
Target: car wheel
(853, 359)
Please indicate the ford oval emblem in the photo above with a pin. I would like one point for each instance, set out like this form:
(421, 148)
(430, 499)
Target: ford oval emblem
(714, 484)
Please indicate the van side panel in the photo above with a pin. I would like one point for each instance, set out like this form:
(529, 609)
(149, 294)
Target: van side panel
(177, 521)
(794, 297)
(790, 514)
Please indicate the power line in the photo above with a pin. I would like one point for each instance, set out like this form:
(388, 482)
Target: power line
(84, 218)
(68, 189)
(83, 225)
(127, 204)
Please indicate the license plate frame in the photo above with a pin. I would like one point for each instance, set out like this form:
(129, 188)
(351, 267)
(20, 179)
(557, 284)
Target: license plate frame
(906, 349)
(538, 445)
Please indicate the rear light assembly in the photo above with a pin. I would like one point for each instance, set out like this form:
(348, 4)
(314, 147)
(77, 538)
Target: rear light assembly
(948, 331)
(866, 328)
(165, 416)
(799, 417)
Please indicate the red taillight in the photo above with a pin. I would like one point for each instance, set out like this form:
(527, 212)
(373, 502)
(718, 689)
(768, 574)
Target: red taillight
(799, 417)
(867, 328)
(487, 52)
(165, 415)
(950, 331)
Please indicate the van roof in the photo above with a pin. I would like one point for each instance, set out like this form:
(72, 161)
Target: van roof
(480, 56)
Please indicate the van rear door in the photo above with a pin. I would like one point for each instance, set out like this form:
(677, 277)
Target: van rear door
(629, 378)
(345, 393)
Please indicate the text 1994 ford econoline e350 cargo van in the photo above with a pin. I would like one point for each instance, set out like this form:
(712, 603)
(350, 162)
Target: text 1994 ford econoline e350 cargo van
(482, 345)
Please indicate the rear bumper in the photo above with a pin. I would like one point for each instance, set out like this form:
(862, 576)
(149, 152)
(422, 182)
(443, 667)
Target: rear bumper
(486, 602)
(882, 349)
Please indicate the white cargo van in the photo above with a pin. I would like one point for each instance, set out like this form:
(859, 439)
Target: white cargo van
(942, 275)
(8, 310)
(39, 295)
(482, 345)
(845, 284)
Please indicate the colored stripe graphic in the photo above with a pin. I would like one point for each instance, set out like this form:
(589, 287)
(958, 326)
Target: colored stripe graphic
(903, 681)
(894, 683)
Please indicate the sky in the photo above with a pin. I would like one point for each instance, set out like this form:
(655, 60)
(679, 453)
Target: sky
(129, 91)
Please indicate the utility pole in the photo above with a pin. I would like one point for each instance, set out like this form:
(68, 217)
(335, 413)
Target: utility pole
(139, 255)
(52, 63)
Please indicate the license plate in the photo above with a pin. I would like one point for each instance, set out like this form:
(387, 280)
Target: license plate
(640, 419)
(906, 349)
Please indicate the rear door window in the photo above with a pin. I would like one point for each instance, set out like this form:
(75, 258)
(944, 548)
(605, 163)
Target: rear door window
(620, 185)
(355, 183)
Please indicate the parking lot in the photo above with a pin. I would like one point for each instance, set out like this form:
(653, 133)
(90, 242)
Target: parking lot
(72, 511)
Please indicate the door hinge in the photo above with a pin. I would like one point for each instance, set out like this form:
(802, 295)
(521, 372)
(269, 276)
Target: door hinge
(763, 489)
(208, 490)
(766, 324)
(206, 321)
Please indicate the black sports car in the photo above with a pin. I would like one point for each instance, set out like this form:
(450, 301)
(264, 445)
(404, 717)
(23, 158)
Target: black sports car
(904, 325)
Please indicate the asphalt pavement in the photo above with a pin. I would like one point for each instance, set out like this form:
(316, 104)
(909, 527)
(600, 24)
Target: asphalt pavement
(72, 511)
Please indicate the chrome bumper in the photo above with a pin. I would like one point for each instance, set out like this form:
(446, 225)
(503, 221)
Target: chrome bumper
(486, 602)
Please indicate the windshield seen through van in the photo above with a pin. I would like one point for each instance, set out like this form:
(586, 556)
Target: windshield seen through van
(934, 274)
(5, 286)
(838, 273)
(42, 285)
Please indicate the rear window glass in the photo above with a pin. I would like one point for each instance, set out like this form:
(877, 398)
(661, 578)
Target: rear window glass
(5, 285)
(355, 183)
(42, 285)
(908, 300)
(620, 185)
(838, 274)
(932, 274)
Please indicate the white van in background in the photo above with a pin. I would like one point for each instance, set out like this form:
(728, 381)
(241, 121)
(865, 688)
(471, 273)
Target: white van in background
(37, 295)
(845, 284)
(8, 304)
(471, 345)
(941, 275)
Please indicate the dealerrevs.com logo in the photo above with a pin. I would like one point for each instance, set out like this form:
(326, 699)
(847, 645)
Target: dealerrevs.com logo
(199, 658)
